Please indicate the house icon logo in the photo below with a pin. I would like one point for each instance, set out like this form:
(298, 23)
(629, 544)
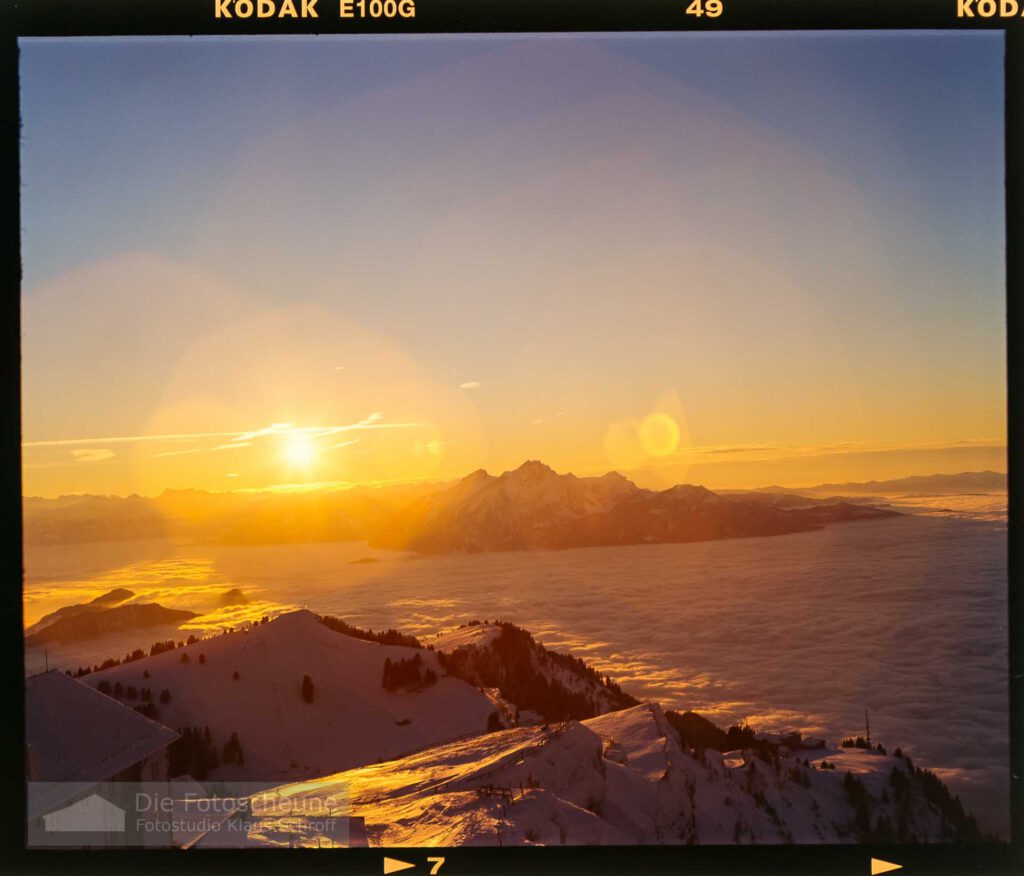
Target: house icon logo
(91, 814)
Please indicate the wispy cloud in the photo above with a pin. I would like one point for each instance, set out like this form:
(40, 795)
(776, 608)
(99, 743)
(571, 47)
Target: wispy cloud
(124, 439)
(769, 452)
(236, 439)
(426, 445)
(731, 454)
(470, 384)
(92, 455)
(179, 452)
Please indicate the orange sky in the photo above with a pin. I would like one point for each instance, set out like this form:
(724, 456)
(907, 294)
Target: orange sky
(409, 265)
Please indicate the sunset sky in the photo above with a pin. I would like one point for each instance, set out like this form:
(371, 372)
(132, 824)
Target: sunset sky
(726, 259)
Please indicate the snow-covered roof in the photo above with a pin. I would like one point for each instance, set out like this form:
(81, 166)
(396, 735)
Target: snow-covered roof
(77, 734)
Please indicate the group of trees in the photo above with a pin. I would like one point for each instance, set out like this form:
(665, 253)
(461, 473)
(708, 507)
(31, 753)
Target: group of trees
(407, 674)
(861, 742)
(387, 637)
(149, 710)
(192, 753)
(195, 753)
(511, 662)
(698, 733)
(130, 692)
(905, 779)
(137, 654)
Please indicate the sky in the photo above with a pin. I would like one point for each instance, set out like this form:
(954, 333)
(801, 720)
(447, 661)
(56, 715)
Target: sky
(729, 259)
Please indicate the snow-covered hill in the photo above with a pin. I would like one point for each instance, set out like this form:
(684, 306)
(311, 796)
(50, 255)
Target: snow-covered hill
(476, 756)
(539, 684)
(351, 721)
(622, 778)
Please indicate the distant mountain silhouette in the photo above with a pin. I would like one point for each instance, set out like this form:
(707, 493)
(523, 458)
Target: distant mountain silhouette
(100, 603)
(87, 625)
(532, 506)
(936, 484)
(218, 518)
(234, 596)
(535, 507)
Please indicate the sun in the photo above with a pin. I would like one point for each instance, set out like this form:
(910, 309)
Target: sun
(299, 450)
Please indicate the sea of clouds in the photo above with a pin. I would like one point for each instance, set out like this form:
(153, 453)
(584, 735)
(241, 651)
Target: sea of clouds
(905, 617)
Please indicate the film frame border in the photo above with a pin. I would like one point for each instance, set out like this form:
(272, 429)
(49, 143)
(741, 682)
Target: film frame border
(126, 18)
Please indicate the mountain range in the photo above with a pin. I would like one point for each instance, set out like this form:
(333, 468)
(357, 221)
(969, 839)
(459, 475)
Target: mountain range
(535, 507)
(932, 485)
(529, 507)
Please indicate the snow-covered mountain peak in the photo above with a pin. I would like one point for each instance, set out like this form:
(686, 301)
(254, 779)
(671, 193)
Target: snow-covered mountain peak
(300, 621)
(692, 494)
(532, 469)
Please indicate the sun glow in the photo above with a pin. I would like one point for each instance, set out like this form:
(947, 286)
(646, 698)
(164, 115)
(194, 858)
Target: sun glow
(299, 450)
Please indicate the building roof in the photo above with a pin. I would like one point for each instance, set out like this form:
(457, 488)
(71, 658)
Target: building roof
(77, 734)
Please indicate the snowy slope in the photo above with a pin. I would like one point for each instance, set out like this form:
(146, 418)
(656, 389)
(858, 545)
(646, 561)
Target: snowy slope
(478, 635)
(508, 658)
(352, 720)
(618, 778)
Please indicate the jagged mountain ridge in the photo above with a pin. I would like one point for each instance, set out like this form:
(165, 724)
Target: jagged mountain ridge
(531, 506)
(535, 507)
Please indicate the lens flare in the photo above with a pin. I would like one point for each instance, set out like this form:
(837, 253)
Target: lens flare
(659, 434)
